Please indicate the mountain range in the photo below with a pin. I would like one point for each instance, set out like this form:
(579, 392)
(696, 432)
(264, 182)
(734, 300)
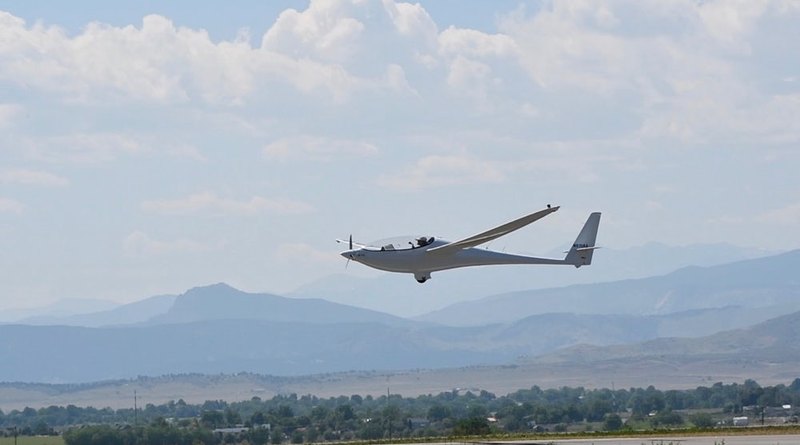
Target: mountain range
(214, 329)
(766, 352)
(399, 294)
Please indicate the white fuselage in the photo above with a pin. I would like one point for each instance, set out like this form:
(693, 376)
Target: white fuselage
(423, 255)
(418, 261)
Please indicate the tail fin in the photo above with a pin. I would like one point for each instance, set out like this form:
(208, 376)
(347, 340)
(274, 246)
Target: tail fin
(581, 252)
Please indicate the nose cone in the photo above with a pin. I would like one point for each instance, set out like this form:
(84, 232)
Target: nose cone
(349, 254)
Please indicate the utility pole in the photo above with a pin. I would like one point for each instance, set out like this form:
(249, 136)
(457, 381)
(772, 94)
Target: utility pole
(135, 410)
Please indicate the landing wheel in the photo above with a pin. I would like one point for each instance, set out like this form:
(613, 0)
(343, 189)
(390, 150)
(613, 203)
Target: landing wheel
(422, 280)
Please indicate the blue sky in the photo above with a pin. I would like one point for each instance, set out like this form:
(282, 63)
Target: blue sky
(147, 147)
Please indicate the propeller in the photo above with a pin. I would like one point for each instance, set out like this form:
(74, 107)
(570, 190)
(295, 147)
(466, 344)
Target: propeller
(349, 257)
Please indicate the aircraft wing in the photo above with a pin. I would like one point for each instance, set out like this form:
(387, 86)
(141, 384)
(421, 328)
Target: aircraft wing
(494, 233)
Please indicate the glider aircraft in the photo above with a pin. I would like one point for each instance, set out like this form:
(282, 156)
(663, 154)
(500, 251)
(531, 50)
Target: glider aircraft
(423, 255)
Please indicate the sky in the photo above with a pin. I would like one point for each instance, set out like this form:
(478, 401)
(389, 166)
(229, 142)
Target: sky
(150, 147)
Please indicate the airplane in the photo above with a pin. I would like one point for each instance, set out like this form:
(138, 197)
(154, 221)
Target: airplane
(423, 255)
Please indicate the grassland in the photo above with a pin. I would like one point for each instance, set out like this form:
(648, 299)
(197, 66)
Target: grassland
(35, 440)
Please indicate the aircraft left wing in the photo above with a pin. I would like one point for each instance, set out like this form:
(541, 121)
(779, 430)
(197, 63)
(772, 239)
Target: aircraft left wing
(494, 233)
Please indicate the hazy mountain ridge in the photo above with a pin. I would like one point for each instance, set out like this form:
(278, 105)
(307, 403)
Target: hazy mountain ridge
(65, 308)
(767, 352)
(756, 283)
(131, 313)
(221, 301)
(399, 294)
(299, 348)
(218, 329)
(775, 340)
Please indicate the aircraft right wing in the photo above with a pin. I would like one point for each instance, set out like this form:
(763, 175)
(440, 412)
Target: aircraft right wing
(352, 243)
(494, 233)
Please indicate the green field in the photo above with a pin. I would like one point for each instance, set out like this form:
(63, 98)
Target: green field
(36, 440)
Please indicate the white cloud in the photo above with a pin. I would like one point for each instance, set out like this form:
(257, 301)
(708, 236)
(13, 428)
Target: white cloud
(729, 21)
(32, 177)
(140, 244)
(162, 63)
(687, 67)
(441, 171)
(99, 148)
(469, 76)
(324, 31)
(471, 43)
(788, 215)
(317, 149)
(186, 151)
(8, 112)
(304, 254)
(210, 203)
(85, 148)
(8, 205)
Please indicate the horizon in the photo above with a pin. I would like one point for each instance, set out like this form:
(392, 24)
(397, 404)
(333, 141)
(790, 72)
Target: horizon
(66, 307)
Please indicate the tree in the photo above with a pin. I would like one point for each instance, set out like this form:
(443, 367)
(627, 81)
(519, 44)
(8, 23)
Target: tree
(297, 436)
(472, 426)
(613, 422)
(212, 419)
(258, 418)
(668, 418)
(277, 436)
(702, 420)
(438, 412)
(232, 417)
(258, 436)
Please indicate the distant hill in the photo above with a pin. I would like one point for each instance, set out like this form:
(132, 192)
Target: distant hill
(222, 302)
(757, 283)
(219, 329)
(775, 340)
(768, 353)
(57, 310)
(131, 313)
(399, 294)
(215, 302)
(218, 346)
(227, 345)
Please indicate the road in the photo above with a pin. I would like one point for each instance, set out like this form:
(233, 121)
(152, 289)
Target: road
(789, 439)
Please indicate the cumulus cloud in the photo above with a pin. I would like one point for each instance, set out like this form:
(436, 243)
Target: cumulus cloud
(689, 68)
(103, 147)
(85, 148)
(304, 254)
(787, 215)
(210, 203)
(140, 244)
(472, 43)
(163, 63)
(32, 177)
(8, 112)
(8, 205)
(445, 170)
(317, 149)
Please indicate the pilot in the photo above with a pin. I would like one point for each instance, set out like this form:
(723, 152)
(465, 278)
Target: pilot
(422, 241)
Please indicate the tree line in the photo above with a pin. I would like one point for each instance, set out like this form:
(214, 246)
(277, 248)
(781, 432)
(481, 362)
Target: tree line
(307, 418)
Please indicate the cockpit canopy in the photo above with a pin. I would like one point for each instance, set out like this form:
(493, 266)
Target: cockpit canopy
(401, 243)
